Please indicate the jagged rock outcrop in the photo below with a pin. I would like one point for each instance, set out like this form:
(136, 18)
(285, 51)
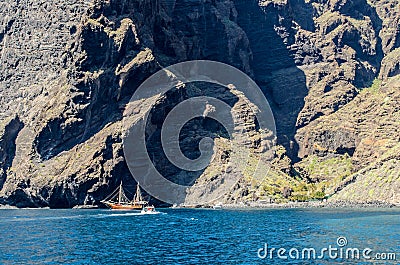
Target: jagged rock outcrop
(329, 70)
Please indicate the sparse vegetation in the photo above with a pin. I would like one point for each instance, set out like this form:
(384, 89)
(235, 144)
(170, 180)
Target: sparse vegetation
(374, 88)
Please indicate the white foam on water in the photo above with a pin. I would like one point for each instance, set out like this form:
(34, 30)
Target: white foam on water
(125, 214)
(39, 218)
(100, 215)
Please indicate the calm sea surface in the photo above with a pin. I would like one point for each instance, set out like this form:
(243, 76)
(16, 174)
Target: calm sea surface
(190, 236)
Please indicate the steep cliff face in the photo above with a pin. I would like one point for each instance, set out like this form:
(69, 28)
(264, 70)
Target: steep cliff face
(328, 69)
(70, 150)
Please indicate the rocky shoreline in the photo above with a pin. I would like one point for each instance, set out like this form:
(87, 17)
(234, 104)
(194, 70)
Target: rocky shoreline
(311, 204)
(7, 207)
(255, 205)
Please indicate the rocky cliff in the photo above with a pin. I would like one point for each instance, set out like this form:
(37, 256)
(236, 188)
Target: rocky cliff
(330, 71)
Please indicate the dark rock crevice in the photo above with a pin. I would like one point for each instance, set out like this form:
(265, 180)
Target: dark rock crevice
(285, 89)
(190, 135)
(6, 29)
(366, 49)
(8, 147)
(98, 99)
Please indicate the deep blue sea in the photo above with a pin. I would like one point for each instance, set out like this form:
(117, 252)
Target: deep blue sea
(195, 236)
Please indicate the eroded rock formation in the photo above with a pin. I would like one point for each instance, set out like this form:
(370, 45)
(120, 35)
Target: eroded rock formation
(330, 71)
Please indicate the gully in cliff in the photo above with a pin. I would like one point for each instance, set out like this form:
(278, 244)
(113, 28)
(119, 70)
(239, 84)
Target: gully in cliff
(117, 200)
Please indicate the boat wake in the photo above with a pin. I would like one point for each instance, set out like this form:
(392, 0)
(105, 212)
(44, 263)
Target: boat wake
(82, 216)
(127, 214)
(44, 218)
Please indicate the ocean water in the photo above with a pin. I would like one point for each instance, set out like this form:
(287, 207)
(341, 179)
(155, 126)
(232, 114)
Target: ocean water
(197, 236)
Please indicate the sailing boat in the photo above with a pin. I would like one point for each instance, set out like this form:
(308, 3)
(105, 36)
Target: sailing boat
(117, 200)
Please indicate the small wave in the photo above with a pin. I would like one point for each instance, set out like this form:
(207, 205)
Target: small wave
(25, 219)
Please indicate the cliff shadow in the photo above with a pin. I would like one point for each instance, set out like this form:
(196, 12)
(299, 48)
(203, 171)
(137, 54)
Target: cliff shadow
(8, 147)
(97, 95)
(359, 10)
(192, 132)
(274, 66)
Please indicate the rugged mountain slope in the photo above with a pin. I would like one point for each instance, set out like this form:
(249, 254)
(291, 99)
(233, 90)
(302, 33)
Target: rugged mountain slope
(329, 70)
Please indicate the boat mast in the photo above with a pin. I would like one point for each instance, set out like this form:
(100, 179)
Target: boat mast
(120, 193)
(138, 194)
